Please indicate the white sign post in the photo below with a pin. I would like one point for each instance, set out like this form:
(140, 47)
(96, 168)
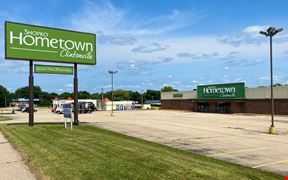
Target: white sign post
(67, 110)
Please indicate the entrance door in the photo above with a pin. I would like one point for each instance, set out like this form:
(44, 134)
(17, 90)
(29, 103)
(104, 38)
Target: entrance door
(223, 107)
(203, 107)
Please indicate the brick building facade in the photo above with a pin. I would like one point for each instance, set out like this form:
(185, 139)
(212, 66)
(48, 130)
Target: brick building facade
(256, 100)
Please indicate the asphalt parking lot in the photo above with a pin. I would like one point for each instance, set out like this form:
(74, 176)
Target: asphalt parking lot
(236, 138)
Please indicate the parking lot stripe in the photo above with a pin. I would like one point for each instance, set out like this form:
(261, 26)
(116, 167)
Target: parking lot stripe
(235, 152)
(271, 163)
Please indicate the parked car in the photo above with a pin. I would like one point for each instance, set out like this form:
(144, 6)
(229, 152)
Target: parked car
(59, 110)
(86, 107)
(26, 109)
(21, 107)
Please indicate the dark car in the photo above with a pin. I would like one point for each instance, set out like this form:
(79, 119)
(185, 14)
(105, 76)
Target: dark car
(86, 107)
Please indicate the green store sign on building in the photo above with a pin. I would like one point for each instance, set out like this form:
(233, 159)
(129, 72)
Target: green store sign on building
(177, 95)
(221, 91)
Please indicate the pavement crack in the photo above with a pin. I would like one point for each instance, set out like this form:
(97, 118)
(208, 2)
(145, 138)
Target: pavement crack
(9, 162)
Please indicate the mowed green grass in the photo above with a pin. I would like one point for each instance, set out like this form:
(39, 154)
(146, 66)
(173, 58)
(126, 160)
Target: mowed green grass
(91, 153)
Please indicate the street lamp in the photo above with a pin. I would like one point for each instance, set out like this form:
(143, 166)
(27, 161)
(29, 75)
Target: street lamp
(142, 99)
(102, 103)
(112, 74)
(271, 31)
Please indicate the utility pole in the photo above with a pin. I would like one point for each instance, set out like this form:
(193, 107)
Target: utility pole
(142, 98)
(112, 84)
(102, 103)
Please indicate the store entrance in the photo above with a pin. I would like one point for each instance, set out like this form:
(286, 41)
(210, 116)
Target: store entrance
(203, 107)
(223, 107)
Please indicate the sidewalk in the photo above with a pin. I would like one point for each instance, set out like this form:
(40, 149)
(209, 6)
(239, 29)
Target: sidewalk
(11, 165)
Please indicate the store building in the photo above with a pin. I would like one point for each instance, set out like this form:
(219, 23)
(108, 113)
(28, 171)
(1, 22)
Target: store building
(227, 98)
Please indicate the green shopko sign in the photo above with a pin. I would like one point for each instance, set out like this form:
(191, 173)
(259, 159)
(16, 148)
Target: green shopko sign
(221, 91)
(29, 42)
(177, 95)
(53, 69)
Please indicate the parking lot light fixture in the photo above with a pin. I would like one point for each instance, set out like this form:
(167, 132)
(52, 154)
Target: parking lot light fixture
(112, 84)
(271, 31)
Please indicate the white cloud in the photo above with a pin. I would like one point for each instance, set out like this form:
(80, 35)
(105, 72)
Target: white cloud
(251, 36)
(60, 90)
(197, 55)
(255, 29)
(147, 83)
(69, 85)
(115, 40)
(128, 87)
(165, 84)
(190, 87)
(107, 18)
(14, 66)
(120, 30)
(154, 47)
(275, 78)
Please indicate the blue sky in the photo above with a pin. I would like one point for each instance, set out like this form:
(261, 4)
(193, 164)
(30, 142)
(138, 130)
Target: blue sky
(154, 43)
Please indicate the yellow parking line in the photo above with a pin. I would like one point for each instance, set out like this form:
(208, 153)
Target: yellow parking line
(234, 152)
(271, 163)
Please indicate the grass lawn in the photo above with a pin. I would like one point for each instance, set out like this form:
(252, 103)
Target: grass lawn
(91, 153)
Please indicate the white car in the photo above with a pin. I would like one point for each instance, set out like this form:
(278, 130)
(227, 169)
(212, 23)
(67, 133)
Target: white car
(59, 110)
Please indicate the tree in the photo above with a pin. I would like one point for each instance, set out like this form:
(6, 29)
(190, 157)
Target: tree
(83, 95)
(45, 99)
(44, 102)
(24, 92)
(279, 84)
(151, 95)
(53, 95)
(4, 96)
(108, 95)
(134, 96)
(168, 89)
(97, 96)
(121, 95)
(66, 95)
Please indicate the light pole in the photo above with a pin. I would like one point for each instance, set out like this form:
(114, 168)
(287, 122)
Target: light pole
(142, 99)
(271, 31)
(112, 74)
(102, 103)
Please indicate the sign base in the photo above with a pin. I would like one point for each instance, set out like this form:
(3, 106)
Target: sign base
(272, 130)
